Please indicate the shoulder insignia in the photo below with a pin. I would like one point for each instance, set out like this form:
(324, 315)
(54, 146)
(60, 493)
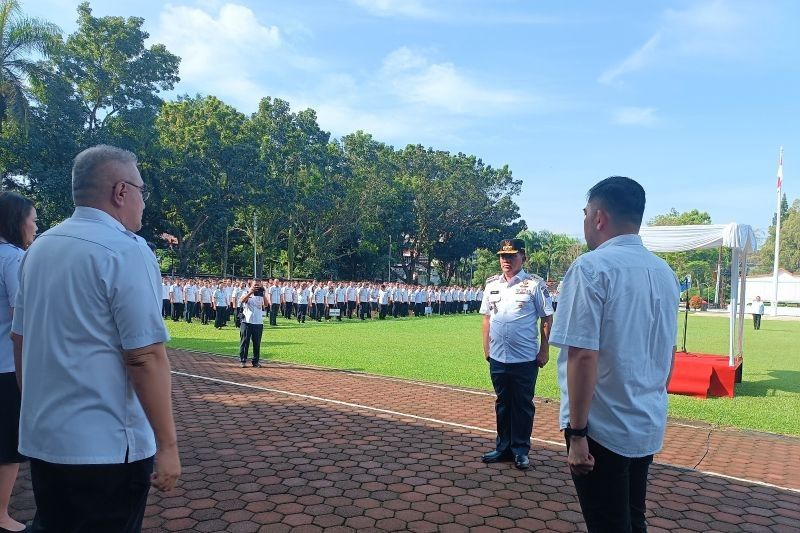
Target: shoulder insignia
(493, 278)
(534, 277)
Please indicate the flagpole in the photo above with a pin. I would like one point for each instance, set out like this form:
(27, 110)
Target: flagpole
(777, 237)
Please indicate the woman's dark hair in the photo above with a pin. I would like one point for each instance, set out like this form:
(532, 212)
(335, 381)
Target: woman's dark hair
(14, 209)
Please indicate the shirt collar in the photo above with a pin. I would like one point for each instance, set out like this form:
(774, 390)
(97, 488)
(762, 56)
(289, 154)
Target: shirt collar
(98, 215)
(521, 276)
(628, 239)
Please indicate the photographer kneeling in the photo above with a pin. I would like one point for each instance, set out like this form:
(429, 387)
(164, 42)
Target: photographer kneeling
(252, 323)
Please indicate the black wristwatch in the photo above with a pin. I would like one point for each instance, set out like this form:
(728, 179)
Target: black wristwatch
(570, 432)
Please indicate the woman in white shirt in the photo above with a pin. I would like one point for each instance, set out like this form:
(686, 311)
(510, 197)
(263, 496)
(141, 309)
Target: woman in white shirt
(17, 230)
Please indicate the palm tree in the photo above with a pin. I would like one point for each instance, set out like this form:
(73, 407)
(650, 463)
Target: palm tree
(21, 38)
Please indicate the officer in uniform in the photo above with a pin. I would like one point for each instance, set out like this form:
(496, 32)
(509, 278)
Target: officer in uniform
(512, 303)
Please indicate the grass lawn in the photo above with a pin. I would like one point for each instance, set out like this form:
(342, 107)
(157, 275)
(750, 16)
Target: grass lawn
(448, 350)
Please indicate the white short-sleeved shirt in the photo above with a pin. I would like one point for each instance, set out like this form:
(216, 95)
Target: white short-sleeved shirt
(164, 291)
(253, 310)
(220, 300)
(78, 405)
(303, 296)
(274, 295)
(621, 300)
(10, 258)
(288, 295)
(191, 293)
(513, 308)
(205, 295)
(177, 294)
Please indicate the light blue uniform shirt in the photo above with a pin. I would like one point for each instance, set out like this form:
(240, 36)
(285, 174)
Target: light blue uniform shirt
(621, 300)
(514, 308)
(10, 257)
(89, 289)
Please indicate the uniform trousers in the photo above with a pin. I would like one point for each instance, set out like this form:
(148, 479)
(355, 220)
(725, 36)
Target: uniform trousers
(319, 310)
(384, 308)
(247, 333)
(205, 314)
(756, 321)
(220, 319)
(90, 498)
(351, 307)
(189, 311)
(514, 385)
(273, 314)
(612, 495)
(166, 308)
(177, 311)
(301, 312)
(342, 306)
(288, 308)
(364, 311)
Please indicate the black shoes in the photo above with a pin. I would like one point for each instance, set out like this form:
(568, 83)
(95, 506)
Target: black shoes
(256, 365)
(497, 457)
(522, 462)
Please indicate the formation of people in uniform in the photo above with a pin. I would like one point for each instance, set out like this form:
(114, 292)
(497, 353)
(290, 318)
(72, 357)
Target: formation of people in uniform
(220, 300)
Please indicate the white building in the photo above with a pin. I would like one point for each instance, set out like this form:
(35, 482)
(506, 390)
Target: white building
(788, 287)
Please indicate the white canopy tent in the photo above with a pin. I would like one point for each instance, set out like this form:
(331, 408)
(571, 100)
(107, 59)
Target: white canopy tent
(738, 237)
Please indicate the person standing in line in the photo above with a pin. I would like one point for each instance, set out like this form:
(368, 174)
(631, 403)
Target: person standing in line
(363, 302)
(303, 298)
(330, 300)
(383, 302)
(253, 304)
(166, 305)
(351, 299)
(758, 311)
(205, 302)
(93, 443)
(616, 331)
(17, 231)
(341, 300)
(176, 299)
(190, 296)
(319, 301)
(274, 302)
(288, 293)
(513, 303)
(220, 302)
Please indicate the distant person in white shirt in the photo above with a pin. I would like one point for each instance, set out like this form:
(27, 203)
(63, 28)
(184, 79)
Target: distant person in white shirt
(758, 310)
(253, 303)
(616, 330)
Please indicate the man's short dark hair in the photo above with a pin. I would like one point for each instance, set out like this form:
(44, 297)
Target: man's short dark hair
(622, 197)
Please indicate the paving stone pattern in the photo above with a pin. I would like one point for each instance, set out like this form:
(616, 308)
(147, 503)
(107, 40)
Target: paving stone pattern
(257, 460)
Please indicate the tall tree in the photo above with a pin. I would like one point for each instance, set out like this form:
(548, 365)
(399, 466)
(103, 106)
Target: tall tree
(790, 243)
(21, 39)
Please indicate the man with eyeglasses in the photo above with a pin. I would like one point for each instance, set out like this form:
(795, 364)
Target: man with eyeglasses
(512, 304)
(121, 426)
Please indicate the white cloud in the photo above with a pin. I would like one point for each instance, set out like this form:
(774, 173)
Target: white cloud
(387, 8)
(227, 52)
(716, 28)
(636, 116)
(413, 79)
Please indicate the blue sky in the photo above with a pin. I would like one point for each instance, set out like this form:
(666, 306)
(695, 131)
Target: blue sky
(692, 99)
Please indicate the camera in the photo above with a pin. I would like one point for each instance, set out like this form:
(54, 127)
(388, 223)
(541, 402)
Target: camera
(258, 290)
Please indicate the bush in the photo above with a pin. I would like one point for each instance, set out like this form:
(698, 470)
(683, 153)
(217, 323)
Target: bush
(695, 302)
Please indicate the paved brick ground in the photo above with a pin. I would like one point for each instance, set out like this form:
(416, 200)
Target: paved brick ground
(258, 457)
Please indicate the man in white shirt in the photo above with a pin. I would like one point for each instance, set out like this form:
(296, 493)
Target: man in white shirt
(351, 299)
(205, 302)
(616, 330)
(758, 310)
(253, 304)
(274, 302)
(190, 296)
(303, 299)
(96, 392)
(176, 299)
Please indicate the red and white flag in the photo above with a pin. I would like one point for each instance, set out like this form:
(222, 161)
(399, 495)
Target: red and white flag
(780, 171)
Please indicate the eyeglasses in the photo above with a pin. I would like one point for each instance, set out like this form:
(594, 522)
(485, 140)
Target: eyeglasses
(142, 189)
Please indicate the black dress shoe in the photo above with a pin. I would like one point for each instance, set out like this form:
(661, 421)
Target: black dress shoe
(497, 457)
(522, 462)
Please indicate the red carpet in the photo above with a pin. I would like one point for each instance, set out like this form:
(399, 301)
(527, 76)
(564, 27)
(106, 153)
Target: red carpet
(703, 375)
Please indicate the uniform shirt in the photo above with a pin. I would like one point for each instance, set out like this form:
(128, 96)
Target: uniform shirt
(190, 292)
(164, 291)
(758, 308)
(253, 310)
(621, 300)
(383, 297)
(288, 295)
(351, 294)
(513, 308)
(177, 294)
(420, 297)
(10, 257)
(274, 295)
(363, 294)
(220, 300)
(228, 290)
(341, 294)
(78, 405)
(479, 295)
(205, 295)
(319, 295)
(330, 296)
(303, 296)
